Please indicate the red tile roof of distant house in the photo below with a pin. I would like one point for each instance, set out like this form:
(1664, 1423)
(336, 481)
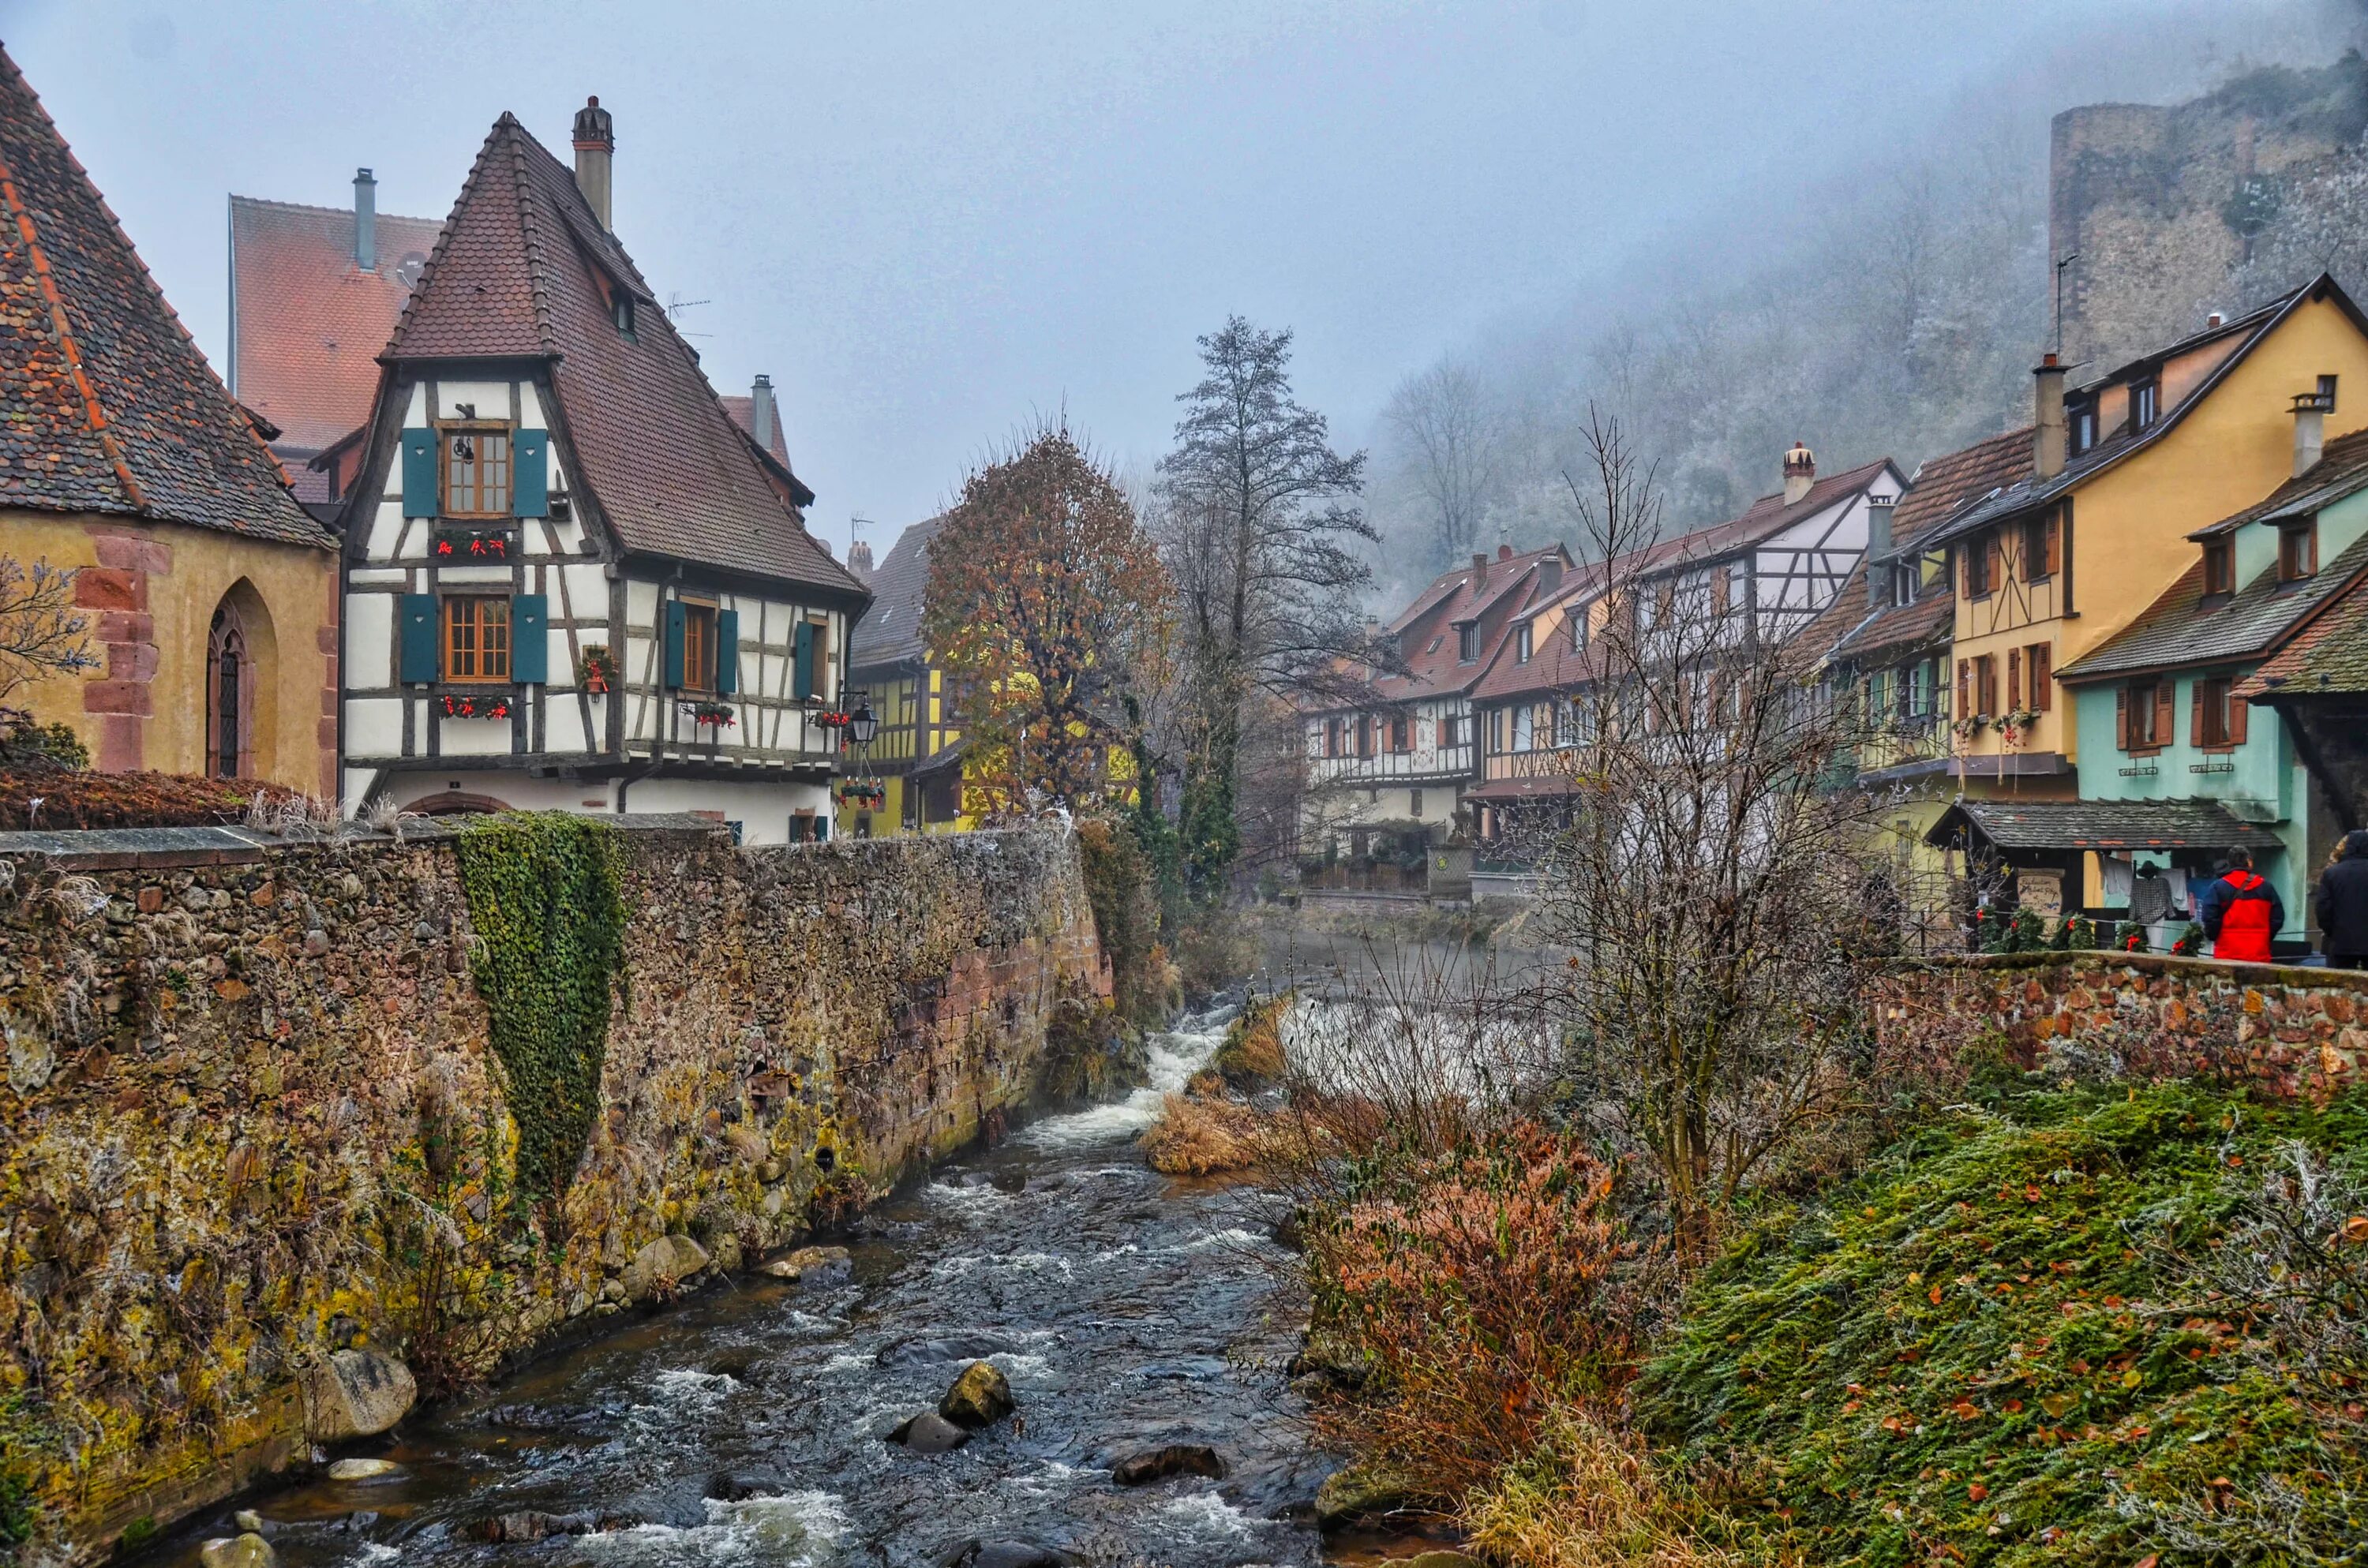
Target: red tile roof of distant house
(523, 269)
(1941, 488)
(106, 404)
(306, 323)
(1429, 630)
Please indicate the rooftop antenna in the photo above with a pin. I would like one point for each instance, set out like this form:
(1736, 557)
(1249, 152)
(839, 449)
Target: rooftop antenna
(676, 305)
(2069, 258)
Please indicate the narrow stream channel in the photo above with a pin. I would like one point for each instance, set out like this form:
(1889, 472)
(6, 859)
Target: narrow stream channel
(1129, 1312)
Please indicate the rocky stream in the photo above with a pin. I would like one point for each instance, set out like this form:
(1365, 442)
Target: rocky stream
(1135, 1318)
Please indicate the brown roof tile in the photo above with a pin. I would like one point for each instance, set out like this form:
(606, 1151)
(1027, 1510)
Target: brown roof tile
(306, 323)
(1427, 630)
(523, 269)
(1941, 487)
(105, 405)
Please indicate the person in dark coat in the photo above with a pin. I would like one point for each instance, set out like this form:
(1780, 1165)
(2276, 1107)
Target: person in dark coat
(2341, 905)
(2240, 911)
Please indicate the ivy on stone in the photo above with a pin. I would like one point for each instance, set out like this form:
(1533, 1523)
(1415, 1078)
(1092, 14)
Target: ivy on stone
(544, 892)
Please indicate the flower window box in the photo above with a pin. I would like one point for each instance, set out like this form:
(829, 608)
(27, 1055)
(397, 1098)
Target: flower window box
(478, 704)
(457, 545)
(718, 714)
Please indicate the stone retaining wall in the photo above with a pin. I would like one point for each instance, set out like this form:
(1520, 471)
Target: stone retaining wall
(2289, 1030)
(251, 1118)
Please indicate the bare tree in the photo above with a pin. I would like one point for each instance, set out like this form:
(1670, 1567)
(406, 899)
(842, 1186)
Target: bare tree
(1258, 524)
(1719, 887)
(41, 635)
(1451, 441)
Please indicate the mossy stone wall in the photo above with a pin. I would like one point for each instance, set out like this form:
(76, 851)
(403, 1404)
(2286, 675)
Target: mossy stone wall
(252, 1115)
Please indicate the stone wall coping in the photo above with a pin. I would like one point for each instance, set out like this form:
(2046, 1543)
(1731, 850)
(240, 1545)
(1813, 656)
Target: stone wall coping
(2292, 976)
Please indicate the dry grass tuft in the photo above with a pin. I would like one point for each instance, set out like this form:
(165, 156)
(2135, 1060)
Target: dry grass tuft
(1203, 1136)
(1589, 1498)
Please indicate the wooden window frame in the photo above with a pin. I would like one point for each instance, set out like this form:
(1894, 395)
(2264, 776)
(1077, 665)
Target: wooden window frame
(698, 649)
(2039, 671)
(2144, 716)
(1981, 564)
(1467, 643)
(2298, 551)
(1524, 640)
(450, 619)
(2219, 567)
(1986, 687)
(449, 430)
(2080, 427)
(1401, 733)
(2212, 699)
(2039, 546)
(2145, 403)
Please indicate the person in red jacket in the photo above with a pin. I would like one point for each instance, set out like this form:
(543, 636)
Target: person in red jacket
(2240, 912)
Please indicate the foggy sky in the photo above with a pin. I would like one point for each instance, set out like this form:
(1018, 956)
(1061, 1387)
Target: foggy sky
(929, 221)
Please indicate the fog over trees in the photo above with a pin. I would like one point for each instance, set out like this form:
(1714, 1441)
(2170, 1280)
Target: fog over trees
(1892, 307)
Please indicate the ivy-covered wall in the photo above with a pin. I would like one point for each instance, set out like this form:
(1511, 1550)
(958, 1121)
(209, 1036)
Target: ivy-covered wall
(253, 1114)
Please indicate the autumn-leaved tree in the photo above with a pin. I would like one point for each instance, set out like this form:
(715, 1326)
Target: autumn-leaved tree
(1045, 603)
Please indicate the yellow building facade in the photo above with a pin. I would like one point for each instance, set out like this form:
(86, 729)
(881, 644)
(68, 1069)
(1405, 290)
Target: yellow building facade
(2048, 568)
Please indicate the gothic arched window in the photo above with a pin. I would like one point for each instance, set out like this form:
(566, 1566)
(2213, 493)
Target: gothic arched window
(230, 697)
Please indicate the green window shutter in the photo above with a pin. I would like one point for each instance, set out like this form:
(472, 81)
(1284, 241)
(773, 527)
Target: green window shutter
(675, 617)
(419, 474)
(419, 637)
(529, 639)
(727, 651)
(530, 483)
(802, 681)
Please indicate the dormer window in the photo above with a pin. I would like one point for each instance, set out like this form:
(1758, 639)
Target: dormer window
(2145, 404)
(476, 471)
(1906, 581)
(2219, 567)
(2298, 551)
(620, 311)
(1467, 643)
(1521, 644)
(2080, 427)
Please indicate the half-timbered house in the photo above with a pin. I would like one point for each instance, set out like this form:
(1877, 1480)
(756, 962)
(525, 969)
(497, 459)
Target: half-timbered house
(572, 580)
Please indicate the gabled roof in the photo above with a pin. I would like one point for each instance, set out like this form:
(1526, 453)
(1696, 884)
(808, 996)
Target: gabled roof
(105, 405)
(1761, 521)
(2100, 825)
(2326, 658)
(775, 451)
(523, 270)
(2182, 627)
(306, 323)
(2341, 470)
(1938, 488)
(890, 631)
(2026, 493)
(1427, 632)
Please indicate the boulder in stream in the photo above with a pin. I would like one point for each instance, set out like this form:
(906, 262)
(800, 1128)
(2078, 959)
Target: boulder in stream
(663, 1265)
(248, 1551)
(1009, 1555)
(364, 1470)
(356, 1393)
(1363, 1492)
(1176, 1458)
(980, 1397)
(929, 1349)
(811, 1265)
(930, 1433)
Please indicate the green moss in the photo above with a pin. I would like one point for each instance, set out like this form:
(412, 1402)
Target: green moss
(543, 890)
(1989, 1347)
(24, 1445)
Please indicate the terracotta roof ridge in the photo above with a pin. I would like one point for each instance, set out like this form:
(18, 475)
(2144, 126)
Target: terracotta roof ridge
(536, 267)
(273, 201)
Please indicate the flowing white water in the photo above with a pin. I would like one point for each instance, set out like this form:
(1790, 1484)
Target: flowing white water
(1174, 1056)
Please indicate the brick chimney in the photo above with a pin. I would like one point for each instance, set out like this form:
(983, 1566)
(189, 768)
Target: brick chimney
(859, 560)
(2047, 446)
(595, 146)
(1800, 472)
(1479, 570)
(763, 421)
(364, 221)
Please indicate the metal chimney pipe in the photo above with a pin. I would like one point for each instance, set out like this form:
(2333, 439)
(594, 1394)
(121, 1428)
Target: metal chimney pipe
(2047, 442)
(762, 419)
(364, 221)
(2310, 429)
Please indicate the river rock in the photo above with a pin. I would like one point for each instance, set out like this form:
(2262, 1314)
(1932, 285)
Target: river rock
(356, 1393)
(248, 1551)
(931, 1349)
(669, 1260)
(811, 1265)
(724, 1486)
(364, 1470)
(1362, 1491)
(980, 1397)
(1010, 1555)
(246, 1521)
(1176, 1458)
(930, 1433)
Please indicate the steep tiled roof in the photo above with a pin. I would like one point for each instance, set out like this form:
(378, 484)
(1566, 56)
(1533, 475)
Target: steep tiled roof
(2329, 658)
(523, 269)
(306, 323)
(2100, 824)
(105, 405)
(2179, 629)
(1939, 488)
(890, 631)
(744, 414)
(2341, 470)
(1765, 518)
(1427, 632)
(2027, 493)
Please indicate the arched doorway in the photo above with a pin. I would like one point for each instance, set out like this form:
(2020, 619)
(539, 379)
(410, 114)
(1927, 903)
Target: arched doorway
(230, 695)
(452, 802)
